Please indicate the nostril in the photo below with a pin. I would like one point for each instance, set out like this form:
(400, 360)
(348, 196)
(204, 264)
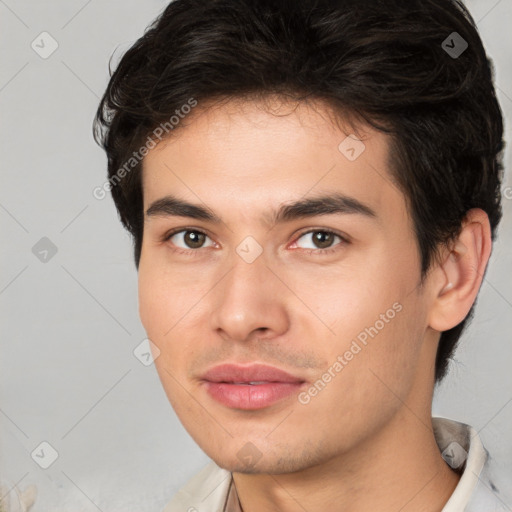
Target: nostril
(262, 332)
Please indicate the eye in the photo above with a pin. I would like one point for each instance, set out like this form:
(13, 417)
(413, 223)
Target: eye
(322, 240)
(191, 238)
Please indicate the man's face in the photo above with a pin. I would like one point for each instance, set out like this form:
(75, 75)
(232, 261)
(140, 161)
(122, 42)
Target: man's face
(350, 324)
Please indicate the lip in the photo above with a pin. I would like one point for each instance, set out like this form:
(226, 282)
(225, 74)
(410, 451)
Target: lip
(251, 373)
(229, 385)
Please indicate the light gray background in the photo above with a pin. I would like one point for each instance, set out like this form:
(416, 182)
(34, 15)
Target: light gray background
(70, 325)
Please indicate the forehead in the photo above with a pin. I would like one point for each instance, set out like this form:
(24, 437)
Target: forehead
(253, 156)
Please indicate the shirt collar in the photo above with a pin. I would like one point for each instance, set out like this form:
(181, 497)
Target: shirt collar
(463, 450)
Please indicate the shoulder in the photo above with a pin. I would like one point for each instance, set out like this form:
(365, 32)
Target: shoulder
(206, 490)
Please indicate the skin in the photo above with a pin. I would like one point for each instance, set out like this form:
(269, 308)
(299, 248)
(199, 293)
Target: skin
(365, 441)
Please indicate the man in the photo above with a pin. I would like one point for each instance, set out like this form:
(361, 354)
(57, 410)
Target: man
(313, 189)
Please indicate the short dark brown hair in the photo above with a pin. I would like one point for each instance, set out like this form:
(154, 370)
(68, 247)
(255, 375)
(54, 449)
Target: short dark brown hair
(402, 67)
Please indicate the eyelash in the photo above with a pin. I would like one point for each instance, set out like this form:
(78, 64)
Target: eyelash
(309, 252)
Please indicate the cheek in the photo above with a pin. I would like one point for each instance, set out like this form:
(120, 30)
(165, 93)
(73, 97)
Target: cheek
(151, 302)
(160, 306)
(161, 301)
(161, 290)
(379, 323)
(378, 374)
(394, 354)
(166, 310)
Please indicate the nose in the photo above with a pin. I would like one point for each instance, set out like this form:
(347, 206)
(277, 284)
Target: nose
(250, 302)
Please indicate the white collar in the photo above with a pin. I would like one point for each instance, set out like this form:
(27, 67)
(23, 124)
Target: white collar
(461, 448)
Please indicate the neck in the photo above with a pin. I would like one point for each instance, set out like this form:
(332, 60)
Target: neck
(400, 468)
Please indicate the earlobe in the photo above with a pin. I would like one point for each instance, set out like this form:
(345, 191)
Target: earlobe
(460, 275)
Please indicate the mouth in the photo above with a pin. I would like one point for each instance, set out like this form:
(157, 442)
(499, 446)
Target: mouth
(250, 387)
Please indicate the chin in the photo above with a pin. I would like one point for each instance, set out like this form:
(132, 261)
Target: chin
(250, 460)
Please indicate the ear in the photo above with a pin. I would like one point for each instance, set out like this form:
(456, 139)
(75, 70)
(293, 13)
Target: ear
(456, 281)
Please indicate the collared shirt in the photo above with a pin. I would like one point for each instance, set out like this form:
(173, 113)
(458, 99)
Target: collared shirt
(478, 490)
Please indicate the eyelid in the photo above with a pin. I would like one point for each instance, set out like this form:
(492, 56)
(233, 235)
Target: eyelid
(342, 235)
(174, 231)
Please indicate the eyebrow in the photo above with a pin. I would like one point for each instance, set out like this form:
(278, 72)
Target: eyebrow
(324, 205)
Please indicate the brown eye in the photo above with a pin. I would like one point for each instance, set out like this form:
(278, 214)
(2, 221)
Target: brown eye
(321, 239)
(187, 239)
(194, 239)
